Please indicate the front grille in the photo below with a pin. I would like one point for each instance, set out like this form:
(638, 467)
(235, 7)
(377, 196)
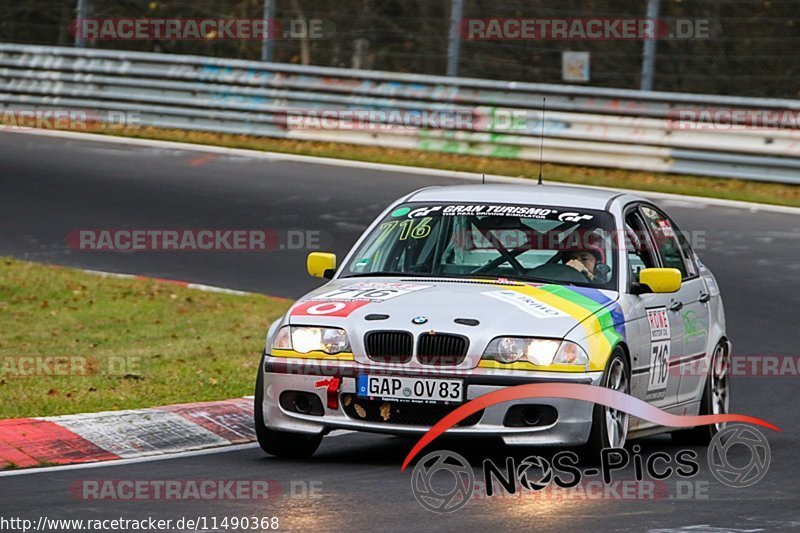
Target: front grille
(389, 346)
(404, 413)
(441, 349)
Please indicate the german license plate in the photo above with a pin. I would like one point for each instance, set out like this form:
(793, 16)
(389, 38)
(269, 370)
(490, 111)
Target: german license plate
(411, 389)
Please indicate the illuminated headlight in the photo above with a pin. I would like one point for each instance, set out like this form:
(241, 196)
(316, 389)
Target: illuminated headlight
(540, 352)
(304, 339)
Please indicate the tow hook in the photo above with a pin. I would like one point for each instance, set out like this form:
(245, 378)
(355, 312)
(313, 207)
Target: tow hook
(333, 384)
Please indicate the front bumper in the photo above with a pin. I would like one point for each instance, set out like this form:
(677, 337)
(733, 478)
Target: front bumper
(571, 428)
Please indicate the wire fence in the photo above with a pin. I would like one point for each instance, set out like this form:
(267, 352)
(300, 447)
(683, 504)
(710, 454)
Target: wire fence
(747, 47)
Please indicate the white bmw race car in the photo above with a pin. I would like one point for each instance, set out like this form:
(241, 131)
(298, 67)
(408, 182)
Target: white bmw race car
(456, 292)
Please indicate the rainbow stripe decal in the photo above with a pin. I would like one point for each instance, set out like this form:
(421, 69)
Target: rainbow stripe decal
(603, 324)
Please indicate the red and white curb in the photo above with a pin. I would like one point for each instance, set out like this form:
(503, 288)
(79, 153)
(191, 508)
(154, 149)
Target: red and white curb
(129, 434)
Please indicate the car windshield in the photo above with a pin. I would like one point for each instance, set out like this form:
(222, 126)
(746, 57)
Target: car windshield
(539, 244)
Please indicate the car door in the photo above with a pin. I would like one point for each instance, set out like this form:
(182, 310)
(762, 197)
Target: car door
(688, 309)
(656, 339)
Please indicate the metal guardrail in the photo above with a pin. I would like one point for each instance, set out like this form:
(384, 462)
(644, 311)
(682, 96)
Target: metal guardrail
(583, 126)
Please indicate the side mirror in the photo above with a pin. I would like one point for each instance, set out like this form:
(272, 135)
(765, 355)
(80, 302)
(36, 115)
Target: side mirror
(321, 264)
(659, 280)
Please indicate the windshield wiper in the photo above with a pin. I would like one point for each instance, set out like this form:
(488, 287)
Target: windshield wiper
(511, 277)
(381, 273)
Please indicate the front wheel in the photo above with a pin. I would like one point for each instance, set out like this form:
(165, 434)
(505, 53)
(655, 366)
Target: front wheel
(280, 443)
(610, 426)
(715, 400)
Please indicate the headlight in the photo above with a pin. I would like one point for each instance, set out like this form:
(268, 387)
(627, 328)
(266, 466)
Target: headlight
(540, 352)
(304, 339)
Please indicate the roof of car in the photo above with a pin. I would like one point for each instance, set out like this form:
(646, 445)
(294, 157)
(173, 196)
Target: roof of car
(533, 194)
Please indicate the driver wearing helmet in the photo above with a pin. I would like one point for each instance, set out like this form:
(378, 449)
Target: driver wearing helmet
(584, 259)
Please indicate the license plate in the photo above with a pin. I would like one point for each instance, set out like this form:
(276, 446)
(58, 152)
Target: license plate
(411, 389)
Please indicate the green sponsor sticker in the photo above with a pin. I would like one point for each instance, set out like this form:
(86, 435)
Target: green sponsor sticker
(400, 211)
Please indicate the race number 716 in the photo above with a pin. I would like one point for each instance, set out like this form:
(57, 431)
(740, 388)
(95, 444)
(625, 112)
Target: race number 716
(658, 367)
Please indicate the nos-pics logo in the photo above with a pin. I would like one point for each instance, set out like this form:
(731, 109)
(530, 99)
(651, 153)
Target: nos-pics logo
(443, 481)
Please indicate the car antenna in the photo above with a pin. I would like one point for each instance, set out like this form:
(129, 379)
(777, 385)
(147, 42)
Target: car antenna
(541, 141)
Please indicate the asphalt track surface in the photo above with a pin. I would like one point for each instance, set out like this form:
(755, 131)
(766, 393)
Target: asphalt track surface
(49, 186)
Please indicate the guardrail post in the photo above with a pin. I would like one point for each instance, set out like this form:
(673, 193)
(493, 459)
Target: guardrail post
(649, 52)
(82, 12)
(266, 42)
(454, 43)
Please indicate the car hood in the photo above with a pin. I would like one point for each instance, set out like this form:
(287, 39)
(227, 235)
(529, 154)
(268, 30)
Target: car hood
(450, 305)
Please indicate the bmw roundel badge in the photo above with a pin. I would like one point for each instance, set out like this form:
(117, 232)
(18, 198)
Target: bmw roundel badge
(419, 320)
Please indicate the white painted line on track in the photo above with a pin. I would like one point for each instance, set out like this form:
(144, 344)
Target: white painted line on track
(384, 167)
(188, 285)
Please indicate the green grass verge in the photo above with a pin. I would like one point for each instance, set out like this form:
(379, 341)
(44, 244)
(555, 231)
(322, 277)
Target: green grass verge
(121, 343)
(731, 189)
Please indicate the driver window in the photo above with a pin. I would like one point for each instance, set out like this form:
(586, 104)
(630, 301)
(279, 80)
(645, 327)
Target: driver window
(666, 239)
(637, 244)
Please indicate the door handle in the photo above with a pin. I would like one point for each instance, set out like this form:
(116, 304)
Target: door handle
(704, 297)
(676, 306)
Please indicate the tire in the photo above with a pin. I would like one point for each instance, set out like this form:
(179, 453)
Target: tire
(601, 436)
(715, 400)
(280, 443)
